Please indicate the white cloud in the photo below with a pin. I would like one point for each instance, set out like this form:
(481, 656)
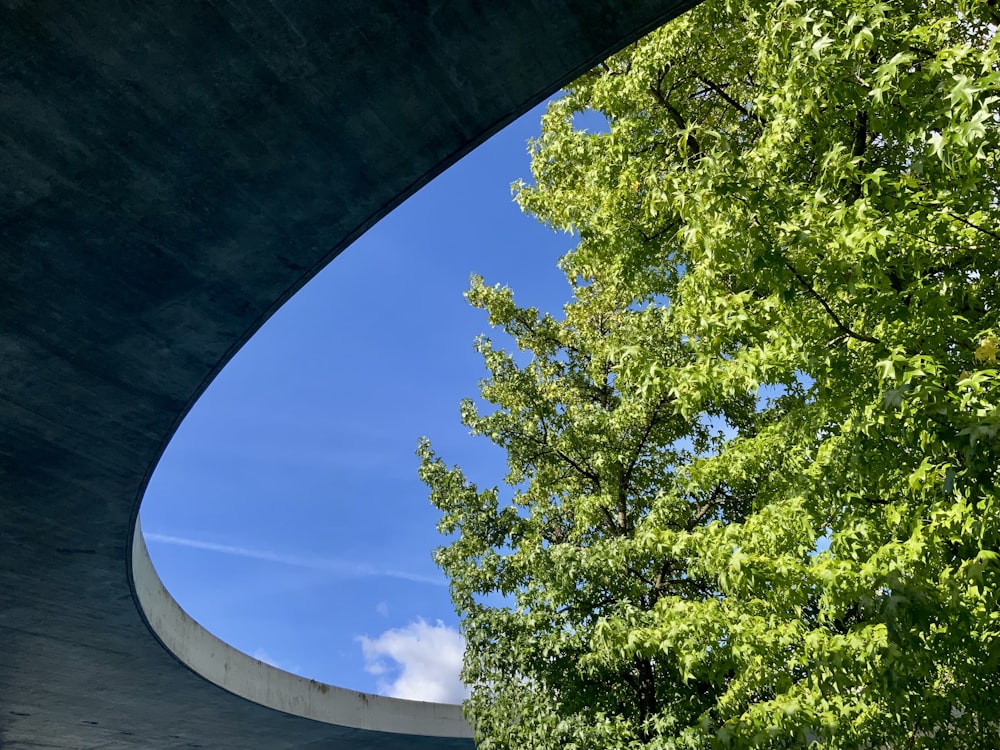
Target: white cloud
(418, 662)
(262, 655)
(382, 608)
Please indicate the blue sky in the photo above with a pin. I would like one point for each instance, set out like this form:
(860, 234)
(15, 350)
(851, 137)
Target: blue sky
(286, 515)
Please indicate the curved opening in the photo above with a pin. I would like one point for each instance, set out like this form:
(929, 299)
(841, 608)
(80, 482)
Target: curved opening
(457, 212)
(275, 688)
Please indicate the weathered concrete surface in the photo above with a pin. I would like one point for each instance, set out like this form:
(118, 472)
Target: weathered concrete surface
(170, 173)
(261, 683)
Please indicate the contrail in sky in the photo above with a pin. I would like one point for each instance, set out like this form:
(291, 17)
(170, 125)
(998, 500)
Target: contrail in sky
(347, 568)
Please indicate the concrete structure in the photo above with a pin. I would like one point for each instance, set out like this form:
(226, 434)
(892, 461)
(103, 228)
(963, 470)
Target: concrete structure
(170, 173)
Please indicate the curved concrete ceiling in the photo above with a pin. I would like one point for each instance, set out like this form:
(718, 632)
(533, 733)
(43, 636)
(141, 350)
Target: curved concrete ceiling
(170, 173)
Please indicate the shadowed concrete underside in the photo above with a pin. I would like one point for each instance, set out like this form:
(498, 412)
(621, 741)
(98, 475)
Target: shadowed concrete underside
(170, 173)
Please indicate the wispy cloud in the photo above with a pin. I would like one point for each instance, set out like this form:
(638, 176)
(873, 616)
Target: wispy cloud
(262, 655)
(336, 566)
(418, 662)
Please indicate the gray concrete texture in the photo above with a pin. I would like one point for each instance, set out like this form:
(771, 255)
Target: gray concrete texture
(170, 173)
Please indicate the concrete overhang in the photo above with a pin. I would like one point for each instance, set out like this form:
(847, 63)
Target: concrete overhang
(170, 174)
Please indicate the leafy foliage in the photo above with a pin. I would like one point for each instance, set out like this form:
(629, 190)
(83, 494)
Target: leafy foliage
(753, 467)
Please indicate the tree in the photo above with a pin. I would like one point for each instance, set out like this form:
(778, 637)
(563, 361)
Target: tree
(753, 467)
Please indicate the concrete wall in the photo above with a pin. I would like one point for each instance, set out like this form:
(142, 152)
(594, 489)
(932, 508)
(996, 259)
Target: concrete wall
(170, 173)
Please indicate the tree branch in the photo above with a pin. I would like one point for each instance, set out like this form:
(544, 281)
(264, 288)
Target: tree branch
(677, 117)
(860, 146)
(844, 328)
(970, 224)
(720, 90)
(654, 419)
(860, 135)
(712, 502)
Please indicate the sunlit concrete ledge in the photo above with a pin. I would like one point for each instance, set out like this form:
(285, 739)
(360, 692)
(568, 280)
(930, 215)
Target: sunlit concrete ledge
(249, 678)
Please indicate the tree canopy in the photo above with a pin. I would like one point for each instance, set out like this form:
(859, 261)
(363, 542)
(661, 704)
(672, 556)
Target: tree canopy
(752, 493)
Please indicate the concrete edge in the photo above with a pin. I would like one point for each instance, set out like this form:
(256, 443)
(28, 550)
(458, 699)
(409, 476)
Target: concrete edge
(240, 674)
